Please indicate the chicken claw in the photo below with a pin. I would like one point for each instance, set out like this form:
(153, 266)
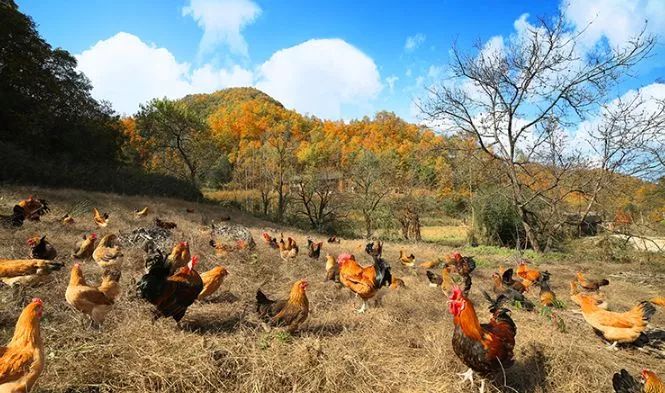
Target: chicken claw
(467, 376)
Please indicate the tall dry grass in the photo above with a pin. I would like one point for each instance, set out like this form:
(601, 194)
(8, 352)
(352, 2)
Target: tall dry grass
(401, 346)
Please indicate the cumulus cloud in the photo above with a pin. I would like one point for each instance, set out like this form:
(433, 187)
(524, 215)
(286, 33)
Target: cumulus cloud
(616, 20)
(413, 42)
(222, 22)
(320, 76)
(127, 72)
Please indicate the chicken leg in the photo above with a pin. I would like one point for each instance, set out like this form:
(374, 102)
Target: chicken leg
(363, 308)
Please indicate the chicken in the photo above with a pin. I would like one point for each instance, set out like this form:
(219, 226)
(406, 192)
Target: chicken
(179, 256)
(658, 300)
(223, 249)
(334, 239)
(102, 220)
(500, 288)
(27, 271)
(547, 296)
(190, 210)
(86, 299)
(623, 382)
(576, 296)
(288, 250)
(430, 264)
(396, 283)
(110, 285)
(212, 280)
(108, 255)
(170, 294)
(590, 285)
(509, 281)
(40, 248)
(408, 261)
(67, 219)
(464, 266)
(14, 220)
(444, 280)
(616, 327)
(165, 224)
(363, 281)
(313, 249)
(527, 274)
(34, 208)
(291, 312)
(270, 241)
(22, 360)
(332, 271)
(484, 348)
(374, 249)
(142, 212)
(85, 247)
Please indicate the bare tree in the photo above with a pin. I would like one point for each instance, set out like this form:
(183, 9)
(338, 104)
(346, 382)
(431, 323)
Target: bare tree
(625, 141)
(509, 97)
(316, 192)
(369, 178)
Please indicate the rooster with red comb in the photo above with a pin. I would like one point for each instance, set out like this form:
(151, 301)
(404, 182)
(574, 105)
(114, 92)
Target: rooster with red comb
(484, 348)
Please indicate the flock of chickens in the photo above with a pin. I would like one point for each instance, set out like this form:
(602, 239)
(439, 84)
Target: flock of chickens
(171, 283)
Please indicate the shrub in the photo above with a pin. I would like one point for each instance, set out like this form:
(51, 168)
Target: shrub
(497, 220)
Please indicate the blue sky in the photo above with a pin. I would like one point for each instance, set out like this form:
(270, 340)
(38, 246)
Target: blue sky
(333, 59)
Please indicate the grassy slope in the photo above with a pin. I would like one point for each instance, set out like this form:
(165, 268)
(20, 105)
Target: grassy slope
(403, 346)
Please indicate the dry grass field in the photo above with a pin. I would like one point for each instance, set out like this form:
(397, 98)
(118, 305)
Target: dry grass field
(403, 345)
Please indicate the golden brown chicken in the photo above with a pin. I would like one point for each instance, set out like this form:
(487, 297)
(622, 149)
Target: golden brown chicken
(397, 283)
(575, 296)
(165, 224)
(288, 250)
(27, 271)
(332, 272)
(590, 285)
(363, 281)
(547, 296)
(85, 248)
(141, 212)
(67, 219)
(524, 272)
(22, 360)
(102, 220)
(616, 327)
(212, 280)
(34, 208)
(444, 280)
(430, 264)
(108, 255)
(291, 312)
(179, 257)
(40, 248)
(407, 260)
(86, 299)
(110, 285)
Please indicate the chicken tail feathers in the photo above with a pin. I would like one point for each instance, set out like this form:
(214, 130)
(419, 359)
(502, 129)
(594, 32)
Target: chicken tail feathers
(623, 382)
(648, 310)
(383, 274)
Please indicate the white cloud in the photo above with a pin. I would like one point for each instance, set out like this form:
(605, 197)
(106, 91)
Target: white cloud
(391, 82)
(222, 22)
(413, 42)
(320, 76)
(127, 72)
(616, 20)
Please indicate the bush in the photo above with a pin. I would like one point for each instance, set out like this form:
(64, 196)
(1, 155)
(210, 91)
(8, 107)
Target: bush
(497, 220)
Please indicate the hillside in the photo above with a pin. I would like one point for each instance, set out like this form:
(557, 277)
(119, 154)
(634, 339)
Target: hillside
(207, 104)
(401, 346)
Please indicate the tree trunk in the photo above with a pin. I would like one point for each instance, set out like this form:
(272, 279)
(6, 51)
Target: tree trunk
(368, 225)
